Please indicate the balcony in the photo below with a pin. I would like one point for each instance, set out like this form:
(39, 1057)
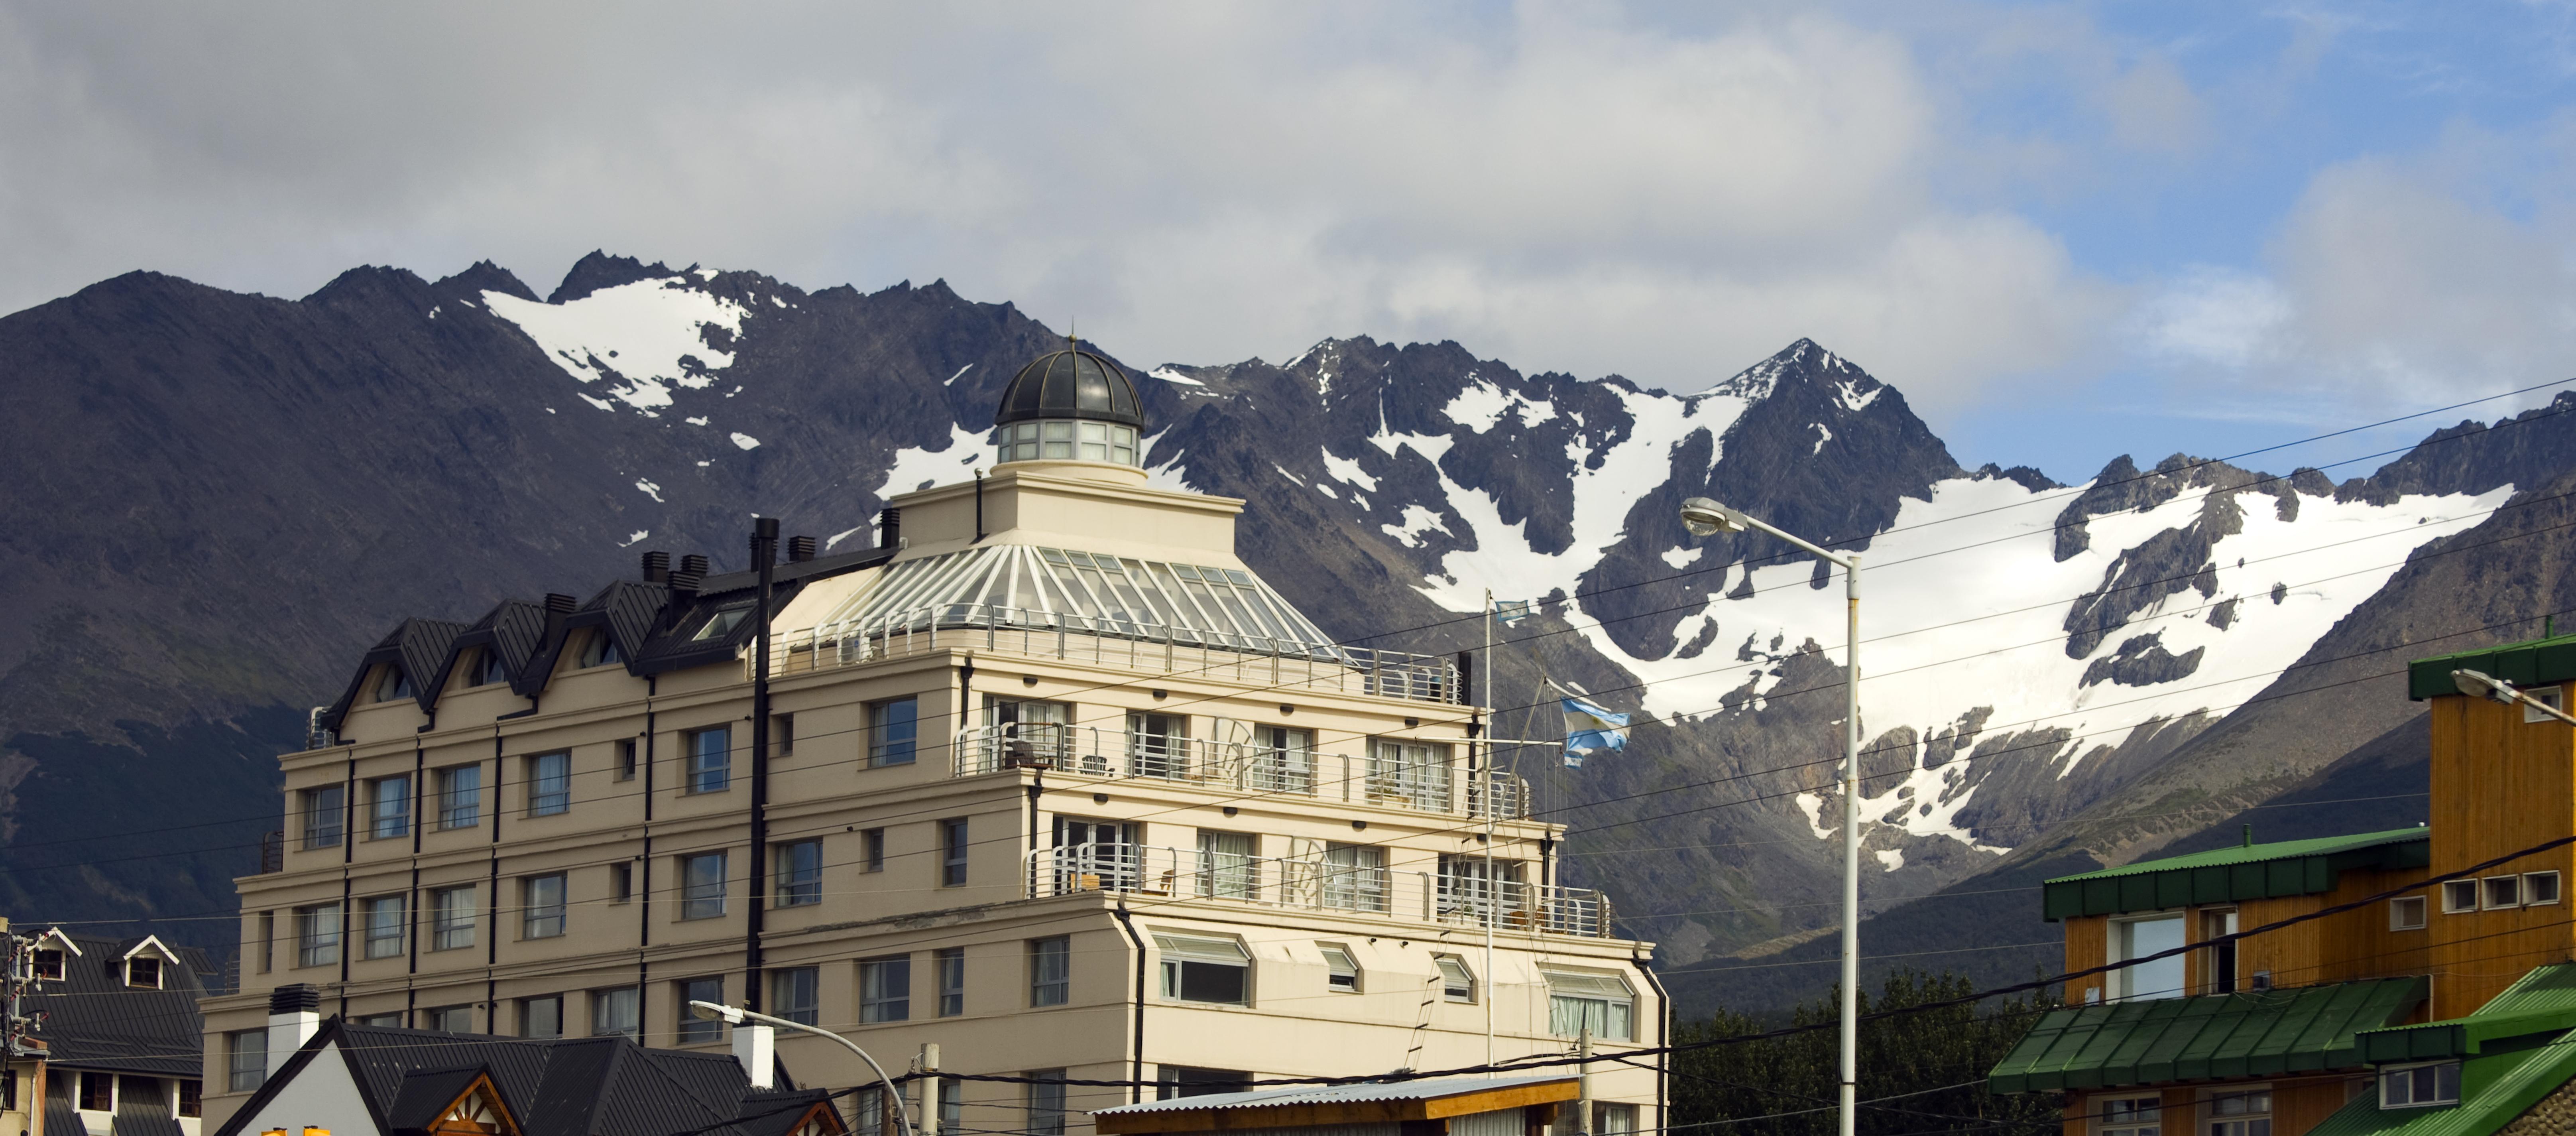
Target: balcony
(1386, 779)
(1333, 878)
(1255, 660)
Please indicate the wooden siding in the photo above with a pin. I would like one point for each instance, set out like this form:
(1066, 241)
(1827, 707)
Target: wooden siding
(2499, 784)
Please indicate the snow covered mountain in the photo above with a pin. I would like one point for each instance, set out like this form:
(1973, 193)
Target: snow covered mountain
(229, 495)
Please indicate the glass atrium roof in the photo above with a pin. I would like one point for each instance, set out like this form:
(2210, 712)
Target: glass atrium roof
(1019, 585)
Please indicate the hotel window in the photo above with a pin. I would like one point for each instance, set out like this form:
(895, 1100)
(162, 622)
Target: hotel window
(626, 759)
(393, 684)
(460, 796)
(2420, 1086)
(1408, 773)
(1457, 983)
(541, 903)
(317, 935)
(1175, 1081)
(952, 852)
(1199, 969)
(614, 1013)
(799, 874)
(451, 913)
(448, 1019)
(382, 1021)
(541, 1017)
(948, 968)
(2246, 1113)
(325, 815)
(1600, 1003)
(388, 808)
(868, 1113)
(793, 994)
(782, 734)
(702, 886)
(952, 1105)
(1227, 869)
(694, 1029)
(2128, 1116)
(489, 669)
(885, 989)
(2406, 913)
(2140, 938)
(1046, 1102)
(1354, 877)
(1050, 971)
(600, 650)
(267, 941)
(710, 760)
(143, 973)
(549, 784)
(192, 1098)
(893, 727)
(245, 1060)
(872, 850)
(1610, 1118)
(98, 1092)
(2459, 896)
(1340, 973)
(621, 883)
(2502, 892)
(383, 921)
(2539, 888)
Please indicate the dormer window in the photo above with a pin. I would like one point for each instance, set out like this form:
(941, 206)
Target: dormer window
(49, 965)
(393, 685)
(143, 973)
(488, 668)
(722, 623)
(601, 649)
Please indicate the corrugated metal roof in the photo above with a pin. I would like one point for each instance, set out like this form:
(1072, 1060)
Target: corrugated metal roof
(2494, 1091)
(1369, 1092)
(2541, 1002)
(2228, 875)
(92, 1020)
(2522, 664)
(2212, 1036)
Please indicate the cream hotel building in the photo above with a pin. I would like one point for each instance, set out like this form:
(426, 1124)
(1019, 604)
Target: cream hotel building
(1049, 778)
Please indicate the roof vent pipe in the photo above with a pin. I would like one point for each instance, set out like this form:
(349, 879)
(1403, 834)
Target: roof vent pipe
(684, 583)
(889, 527)
(800, 548)
(294, 1016)
(694, 563)
(657, 567)
(560, 604)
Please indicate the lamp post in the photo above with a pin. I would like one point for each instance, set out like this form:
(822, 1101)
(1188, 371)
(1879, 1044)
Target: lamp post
(1704, 517)
(734, 1016)
(2478, 684)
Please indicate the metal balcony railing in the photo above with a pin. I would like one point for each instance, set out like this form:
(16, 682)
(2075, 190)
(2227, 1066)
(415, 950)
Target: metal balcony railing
(1240, 767)
(1337, 880)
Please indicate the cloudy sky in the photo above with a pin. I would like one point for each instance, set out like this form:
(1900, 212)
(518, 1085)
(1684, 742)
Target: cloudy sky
(2065, 231)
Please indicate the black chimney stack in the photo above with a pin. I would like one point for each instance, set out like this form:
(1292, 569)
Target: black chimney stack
(800, 548)
(694, 563)
(889, 527)
(560, 604)
(657, 567)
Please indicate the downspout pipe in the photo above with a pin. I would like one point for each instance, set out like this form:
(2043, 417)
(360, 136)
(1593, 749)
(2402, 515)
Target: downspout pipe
(1135, 942)
(1664, 1036)
(764, 558)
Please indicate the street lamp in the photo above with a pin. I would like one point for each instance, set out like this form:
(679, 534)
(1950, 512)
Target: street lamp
(2477, 684)
(1704, 517)
(735, 1015)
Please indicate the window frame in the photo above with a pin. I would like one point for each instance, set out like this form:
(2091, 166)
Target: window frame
(393, 945)
(692, 1029)
(2488, 888)
(2386, 1079)
(550, 794)
(2555, 891)
(394, 822)
(2553, 696)
(2121, 953)
(872, 852)
(317, 835)
(2451, 893)
(534, 911)
(141, 961)
(802, 1006)
(796, 885)
(1450, 969)
(447, 931)
(245, 1060)
(1050, 971)
(2144, 1117)
(315, 946)
(885, 989)
(460, 796)
(621, 883)
(2250, 1122)
(884, 747)
(192, 1098)
(526, 1017)
(2397, 919)
(1343, 978)
(1187, 960)
(704, 899)
(626, 755)
(705, 775)
(1045, 1102)
(608, 998)
(953, 845)
(948, 976)
(1580, 993)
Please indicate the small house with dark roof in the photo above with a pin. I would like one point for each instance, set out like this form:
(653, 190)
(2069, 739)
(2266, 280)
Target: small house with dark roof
(353, 1080)
(2424, 989)
(117, 1042)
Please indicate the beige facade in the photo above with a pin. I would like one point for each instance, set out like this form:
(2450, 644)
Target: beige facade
(1088, 823)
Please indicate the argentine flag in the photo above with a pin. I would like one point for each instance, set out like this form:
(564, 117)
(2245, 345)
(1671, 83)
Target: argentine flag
(1509, 612)
(1589, 728)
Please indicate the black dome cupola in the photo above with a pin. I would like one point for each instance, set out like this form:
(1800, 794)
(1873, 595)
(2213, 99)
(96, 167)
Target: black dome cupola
(1069, 405)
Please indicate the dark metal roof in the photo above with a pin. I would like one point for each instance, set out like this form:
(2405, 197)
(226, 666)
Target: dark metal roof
(418, 646)
(2528, 663)
(552, 1087)
(2216, 1036)
(93, 1020)
(515, 630)
(1071, 383)
(2230, 875)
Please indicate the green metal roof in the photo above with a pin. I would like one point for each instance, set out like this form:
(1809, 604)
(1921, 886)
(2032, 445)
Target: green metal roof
(2227, 875)
(2498, 1083)
(2543, 1001)
(2522, 664)
(2204, 1038)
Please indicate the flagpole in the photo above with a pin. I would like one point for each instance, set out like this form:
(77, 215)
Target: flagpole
(1493, 891)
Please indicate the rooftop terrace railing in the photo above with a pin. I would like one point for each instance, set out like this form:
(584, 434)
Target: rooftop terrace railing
(1385, 779)
(1152, 648)
(1321, 882)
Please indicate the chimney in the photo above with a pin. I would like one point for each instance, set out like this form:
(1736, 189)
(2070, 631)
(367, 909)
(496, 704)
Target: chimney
(294, 1016)
(694, 563)
(684, 583)
(889, 527)
(558, 603)
(657, 567)
(756, 1046)
(800, 548)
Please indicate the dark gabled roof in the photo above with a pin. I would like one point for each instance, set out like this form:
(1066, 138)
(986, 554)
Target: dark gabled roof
(2211, 1037)
(591, 1086)
(141, 1118)
(418, 646)
(2529, 663)
(676, 648)
(92, 1020)
(515, 630)
(631, 610)
(2231, 875)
